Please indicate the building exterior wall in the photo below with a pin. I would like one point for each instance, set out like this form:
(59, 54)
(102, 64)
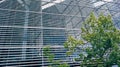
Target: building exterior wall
(28, 25)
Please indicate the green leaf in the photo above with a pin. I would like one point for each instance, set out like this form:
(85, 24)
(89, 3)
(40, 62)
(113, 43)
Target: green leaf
(68, 53)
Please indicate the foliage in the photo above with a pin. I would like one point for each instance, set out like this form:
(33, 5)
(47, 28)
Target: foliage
(50, 58)
(104, 39)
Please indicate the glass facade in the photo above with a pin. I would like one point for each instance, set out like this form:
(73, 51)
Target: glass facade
(28, 25)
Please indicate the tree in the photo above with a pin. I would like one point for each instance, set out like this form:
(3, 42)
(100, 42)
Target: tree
(50, 58)
(104, 39)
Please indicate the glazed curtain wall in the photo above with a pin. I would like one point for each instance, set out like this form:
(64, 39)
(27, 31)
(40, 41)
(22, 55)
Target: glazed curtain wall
(28, 25)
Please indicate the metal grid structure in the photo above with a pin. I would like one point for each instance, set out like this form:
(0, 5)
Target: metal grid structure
(28, 25)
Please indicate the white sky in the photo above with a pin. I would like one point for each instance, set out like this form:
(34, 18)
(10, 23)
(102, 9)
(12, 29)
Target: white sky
(99, 3)
(2, 1)
(51, 4)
